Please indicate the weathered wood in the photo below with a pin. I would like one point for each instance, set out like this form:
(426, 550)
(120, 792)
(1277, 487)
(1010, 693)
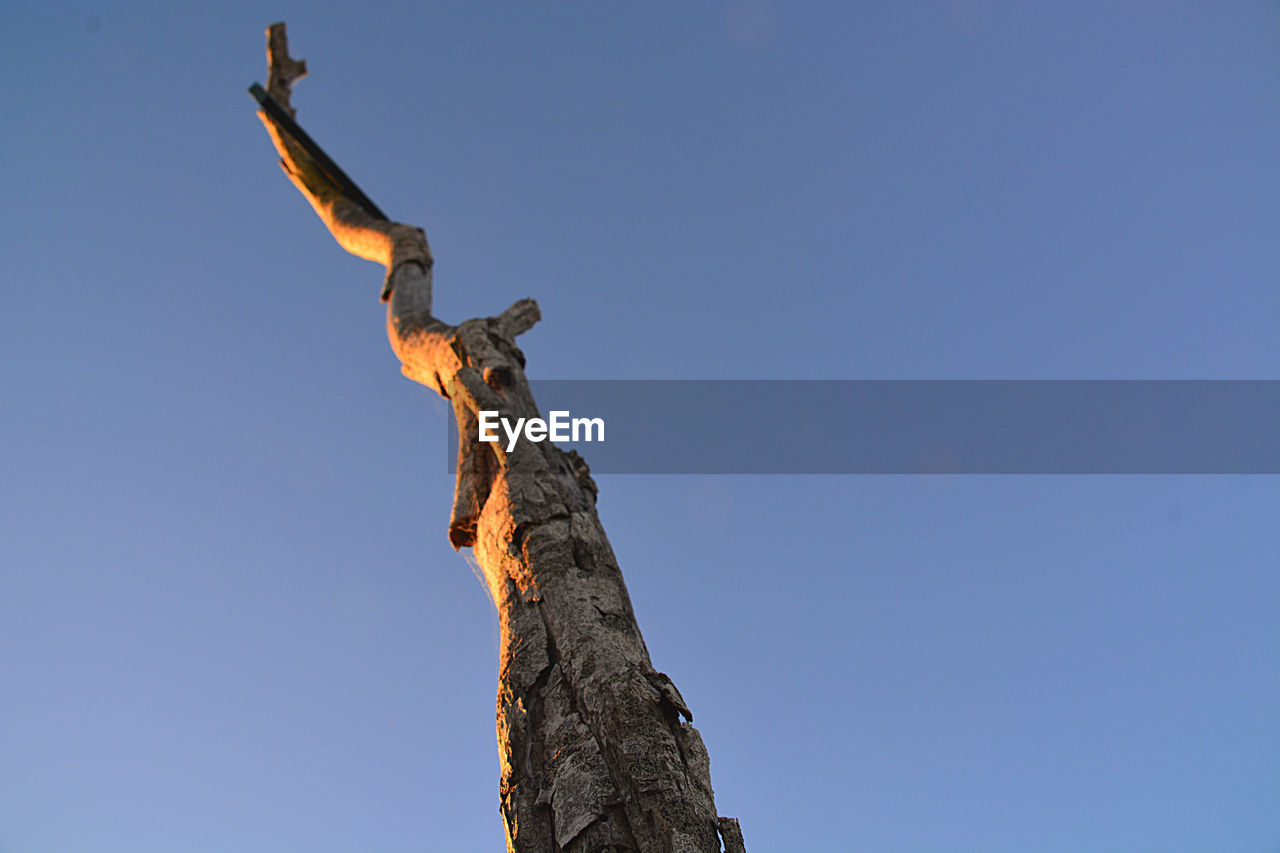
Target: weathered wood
(283, 120)
(598, 750)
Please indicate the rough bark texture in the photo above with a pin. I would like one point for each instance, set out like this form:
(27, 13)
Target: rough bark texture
(598, 753)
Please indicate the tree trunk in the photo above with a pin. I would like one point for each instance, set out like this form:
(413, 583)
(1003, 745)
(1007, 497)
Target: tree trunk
(598, 753)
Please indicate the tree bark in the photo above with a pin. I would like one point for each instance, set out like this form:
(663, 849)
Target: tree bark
(598, 751)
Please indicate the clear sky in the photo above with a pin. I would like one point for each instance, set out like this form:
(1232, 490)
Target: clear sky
(230, 619)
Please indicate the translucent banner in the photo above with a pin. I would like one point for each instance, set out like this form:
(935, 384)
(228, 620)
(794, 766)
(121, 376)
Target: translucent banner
(907, 426)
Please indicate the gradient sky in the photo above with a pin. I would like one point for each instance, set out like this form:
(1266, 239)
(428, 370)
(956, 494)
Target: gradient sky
(231, 619)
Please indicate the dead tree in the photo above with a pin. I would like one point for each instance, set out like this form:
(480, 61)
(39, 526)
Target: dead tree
(598, 753)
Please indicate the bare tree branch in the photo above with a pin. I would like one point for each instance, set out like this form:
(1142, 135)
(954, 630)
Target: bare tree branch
(597, 752)
(359, 232)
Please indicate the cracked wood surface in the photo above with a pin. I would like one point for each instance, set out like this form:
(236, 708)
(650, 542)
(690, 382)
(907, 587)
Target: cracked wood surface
(598, 749)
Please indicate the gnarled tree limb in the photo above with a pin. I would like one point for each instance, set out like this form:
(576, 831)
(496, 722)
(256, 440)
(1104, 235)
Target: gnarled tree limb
(597, 754)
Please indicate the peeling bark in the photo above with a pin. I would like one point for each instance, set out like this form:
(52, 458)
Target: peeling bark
(598, 748)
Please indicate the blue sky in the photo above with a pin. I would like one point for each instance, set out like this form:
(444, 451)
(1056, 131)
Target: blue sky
(231, 619)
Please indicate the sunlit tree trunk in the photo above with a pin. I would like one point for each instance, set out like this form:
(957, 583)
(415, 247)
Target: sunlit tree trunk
(598, 750)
